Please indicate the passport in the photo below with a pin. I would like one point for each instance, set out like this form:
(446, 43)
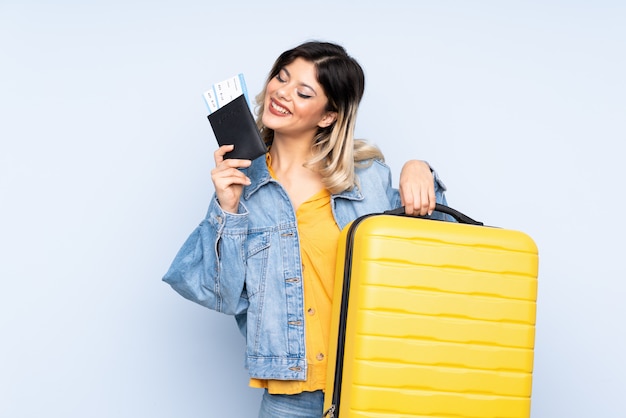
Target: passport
(234, 124)
(232, 120)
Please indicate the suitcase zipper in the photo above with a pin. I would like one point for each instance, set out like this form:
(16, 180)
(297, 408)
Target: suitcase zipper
(343, 317)
(330, 412)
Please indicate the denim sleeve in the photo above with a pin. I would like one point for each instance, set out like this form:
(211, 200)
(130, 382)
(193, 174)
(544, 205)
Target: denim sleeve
(209, 268)
(440, 197)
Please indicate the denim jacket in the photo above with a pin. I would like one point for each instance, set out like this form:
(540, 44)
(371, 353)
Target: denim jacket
(248, 264)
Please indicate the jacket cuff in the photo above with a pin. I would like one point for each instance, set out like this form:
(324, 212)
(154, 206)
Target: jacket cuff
(436, 177)
(226, 222)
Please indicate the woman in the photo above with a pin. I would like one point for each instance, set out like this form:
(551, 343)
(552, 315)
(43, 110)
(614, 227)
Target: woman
(265, 252)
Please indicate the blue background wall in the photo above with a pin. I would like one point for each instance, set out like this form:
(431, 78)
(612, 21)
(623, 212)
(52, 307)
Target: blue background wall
(105, 154)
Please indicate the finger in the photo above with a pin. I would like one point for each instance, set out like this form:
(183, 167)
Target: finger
(424, 203)
(219, 153)
(432, 199)
(225, 176)
(232, 163)
(406, 199)
(229, 164)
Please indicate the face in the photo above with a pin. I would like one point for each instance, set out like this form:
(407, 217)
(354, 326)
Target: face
(295, 103)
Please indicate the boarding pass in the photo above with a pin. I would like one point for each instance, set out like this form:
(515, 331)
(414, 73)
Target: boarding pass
(225, 91)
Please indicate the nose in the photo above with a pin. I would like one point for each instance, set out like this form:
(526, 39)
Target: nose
(282, 92)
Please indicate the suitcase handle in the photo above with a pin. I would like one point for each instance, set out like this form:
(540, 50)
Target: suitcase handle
(460, 217)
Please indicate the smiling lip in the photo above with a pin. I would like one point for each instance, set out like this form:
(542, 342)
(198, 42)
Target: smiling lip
(277, 109)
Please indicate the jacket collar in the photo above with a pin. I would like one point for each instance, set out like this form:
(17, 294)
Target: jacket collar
(353, 194)
(259, 176)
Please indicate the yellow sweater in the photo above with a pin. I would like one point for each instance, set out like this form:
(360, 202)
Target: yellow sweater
(318, 246)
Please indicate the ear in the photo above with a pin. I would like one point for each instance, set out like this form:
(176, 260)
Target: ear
(328, 119)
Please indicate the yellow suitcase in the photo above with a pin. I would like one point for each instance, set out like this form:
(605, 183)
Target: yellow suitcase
(432, 319)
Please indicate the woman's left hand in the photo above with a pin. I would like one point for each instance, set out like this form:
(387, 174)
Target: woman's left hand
(417, 188)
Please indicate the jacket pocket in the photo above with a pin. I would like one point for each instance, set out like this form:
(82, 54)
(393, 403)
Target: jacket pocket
(257, 255)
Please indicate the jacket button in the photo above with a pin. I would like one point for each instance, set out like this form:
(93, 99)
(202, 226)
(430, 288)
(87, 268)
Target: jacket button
(320, 357)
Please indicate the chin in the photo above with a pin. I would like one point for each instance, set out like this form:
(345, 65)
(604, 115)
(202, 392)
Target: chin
(269, 121)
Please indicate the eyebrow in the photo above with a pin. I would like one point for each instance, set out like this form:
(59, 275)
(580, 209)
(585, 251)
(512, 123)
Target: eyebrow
(302, 84)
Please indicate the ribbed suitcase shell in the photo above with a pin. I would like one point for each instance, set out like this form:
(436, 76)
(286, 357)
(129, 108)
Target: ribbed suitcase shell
(440, 321)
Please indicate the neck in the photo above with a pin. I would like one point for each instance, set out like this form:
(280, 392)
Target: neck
(288, 159)
(288, 152)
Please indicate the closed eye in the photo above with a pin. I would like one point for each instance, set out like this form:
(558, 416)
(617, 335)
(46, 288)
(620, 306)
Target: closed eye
(282, 75)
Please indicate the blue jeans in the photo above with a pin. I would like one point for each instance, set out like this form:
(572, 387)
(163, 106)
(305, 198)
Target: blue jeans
(302, 405)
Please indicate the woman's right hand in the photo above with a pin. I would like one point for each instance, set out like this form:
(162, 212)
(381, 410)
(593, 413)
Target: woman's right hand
(228, 180)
